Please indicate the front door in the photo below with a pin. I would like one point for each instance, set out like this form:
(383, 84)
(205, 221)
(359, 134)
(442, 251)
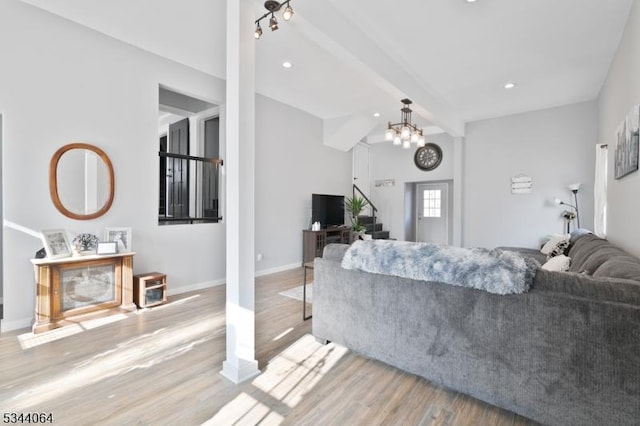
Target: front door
(433, 213)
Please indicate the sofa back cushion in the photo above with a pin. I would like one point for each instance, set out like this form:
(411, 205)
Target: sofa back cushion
(595, 256)
(598, 288)
(620, 267)
(583, 248)
(604, 253)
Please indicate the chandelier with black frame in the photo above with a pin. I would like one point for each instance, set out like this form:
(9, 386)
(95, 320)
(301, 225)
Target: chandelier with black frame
(405, 132)
(273, 6)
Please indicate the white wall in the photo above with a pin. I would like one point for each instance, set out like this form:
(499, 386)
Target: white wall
(393, 162)
(291, 164)
(61, 82)
(555, 147)
(619, 93)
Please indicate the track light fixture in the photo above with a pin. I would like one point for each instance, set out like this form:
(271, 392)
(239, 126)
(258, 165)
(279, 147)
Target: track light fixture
(273, 23)
(405, 132)
(258, 33)
(273, 6)
(288, 13)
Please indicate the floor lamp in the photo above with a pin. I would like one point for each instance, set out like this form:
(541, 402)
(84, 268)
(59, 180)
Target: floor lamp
(569, 216)
(574, 187)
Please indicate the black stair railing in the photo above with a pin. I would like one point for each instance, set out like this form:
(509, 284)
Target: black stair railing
(374, 209)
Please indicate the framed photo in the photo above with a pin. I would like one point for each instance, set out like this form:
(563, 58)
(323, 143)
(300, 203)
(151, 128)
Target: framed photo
(108, 247)
(56, 243)
(121, 236)
(627, 144)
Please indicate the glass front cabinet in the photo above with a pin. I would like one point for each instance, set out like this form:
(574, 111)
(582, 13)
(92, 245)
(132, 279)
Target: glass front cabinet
(149, 289)
(73, 289)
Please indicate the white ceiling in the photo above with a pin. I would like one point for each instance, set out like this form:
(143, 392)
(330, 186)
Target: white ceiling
(452, 58)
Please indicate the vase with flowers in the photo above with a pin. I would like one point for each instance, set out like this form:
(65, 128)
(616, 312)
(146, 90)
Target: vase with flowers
(85, 243)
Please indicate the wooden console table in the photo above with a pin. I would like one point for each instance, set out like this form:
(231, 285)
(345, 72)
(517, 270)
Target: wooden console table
(76, 288)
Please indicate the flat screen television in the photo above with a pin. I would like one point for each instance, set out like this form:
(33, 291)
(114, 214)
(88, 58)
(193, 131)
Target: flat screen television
(327, 209)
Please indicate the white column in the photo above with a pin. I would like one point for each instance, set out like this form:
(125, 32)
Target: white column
(458, 151)
(240, 364)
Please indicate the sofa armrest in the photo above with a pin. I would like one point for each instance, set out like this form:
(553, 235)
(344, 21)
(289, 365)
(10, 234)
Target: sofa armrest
(335, 252)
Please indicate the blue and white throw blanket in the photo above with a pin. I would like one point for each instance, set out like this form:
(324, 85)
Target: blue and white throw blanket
(496, 271)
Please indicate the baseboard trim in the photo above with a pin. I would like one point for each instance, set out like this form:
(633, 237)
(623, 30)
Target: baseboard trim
(15, 324)
(194, 287)
(222, 281)
(171, 291)
(278, 269)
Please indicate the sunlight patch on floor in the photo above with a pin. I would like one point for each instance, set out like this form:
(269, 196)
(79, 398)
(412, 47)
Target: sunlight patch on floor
(30, 340)
(99, 322)
(167, 305)
(284, 333)
(296, 370)
(141, 352)
(245, 410)
(288, 377)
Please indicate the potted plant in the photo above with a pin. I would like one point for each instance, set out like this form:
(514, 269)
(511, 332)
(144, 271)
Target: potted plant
(355, 205)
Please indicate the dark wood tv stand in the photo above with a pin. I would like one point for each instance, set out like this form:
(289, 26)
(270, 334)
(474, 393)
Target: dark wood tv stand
(313, 242)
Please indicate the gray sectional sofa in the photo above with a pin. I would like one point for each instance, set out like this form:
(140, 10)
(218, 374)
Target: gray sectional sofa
(565, 353)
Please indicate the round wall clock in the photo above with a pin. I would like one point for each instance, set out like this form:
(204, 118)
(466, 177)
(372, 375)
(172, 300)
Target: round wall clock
(428, 157)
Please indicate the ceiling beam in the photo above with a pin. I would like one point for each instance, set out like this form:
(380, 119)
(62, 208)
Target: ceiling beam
(332, 30)
(344, 133)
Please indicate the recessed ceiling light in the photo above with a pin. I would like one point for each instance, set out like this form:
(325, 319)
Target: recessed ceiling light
(509, 85)
(470, 1)
(287, 64)
(376, 114)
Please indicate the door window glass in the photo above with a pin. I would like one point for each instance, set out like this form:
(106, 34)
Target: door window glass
(432, 199)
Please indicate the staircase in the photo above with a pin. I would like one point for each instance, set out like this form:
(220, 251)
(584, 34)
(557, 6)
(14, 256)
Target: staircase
(374, 228)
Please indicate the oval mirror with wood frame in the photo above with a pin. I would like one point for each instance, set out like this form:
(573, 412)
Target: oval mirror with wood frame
(81, 181)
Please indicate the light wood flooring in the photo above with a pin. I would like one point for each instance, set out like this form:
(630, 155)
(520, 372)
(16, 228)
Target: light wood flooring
(161, 366)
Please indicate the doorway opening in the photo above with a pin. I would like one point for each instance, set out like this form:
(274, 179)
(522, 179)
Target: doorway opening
(429, 212)
(189, 189)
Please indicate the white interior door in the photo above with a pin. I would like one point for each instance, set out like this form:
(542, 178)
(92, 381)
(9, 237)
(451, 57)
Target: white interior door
(433, 213)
